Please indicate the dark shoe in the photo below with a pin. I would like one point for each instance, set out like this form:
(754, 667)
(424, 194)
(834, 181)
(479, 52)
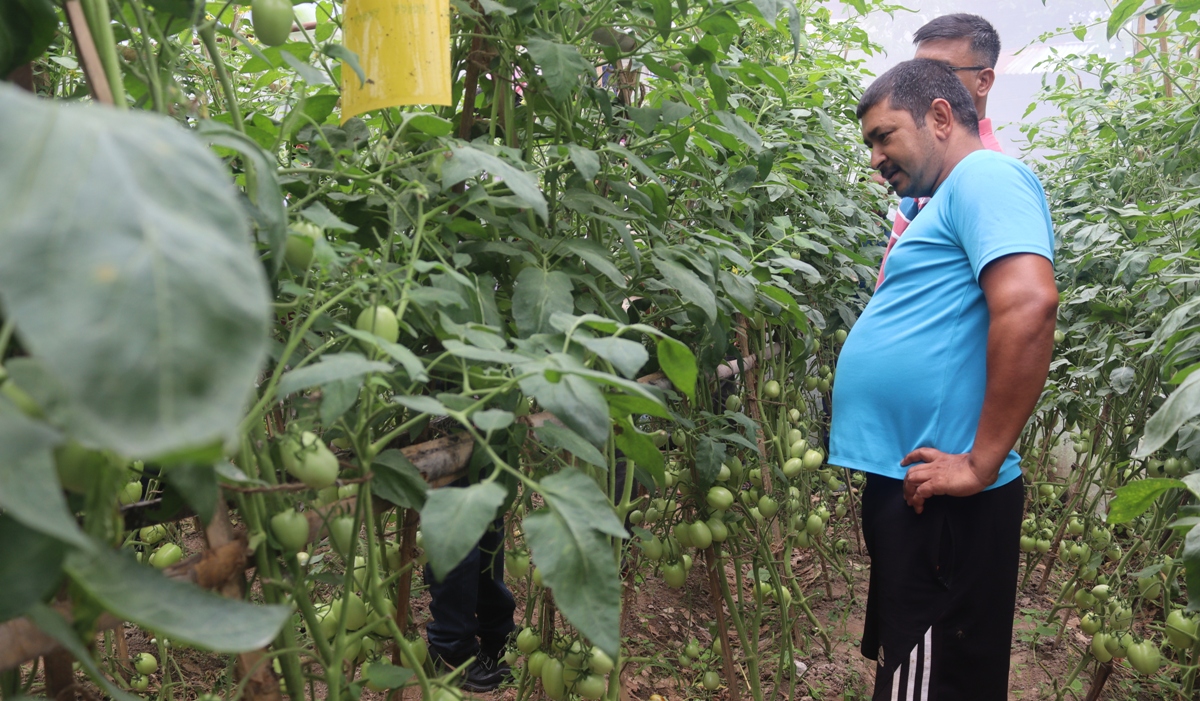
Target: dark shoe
(485, 674)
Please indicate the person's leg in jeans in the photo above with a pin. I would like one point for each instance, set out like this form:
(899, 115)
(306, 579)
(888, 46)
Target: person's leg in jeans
(495, 605)
(453, 601)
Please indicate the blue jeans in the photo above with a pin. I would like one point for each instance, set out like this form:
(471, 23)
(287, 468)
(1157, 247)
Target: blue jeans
(472, 608)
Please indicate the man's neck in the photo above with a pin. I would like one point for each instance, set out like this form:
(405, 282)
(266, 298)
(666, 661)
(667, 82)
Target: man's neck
(961, 146)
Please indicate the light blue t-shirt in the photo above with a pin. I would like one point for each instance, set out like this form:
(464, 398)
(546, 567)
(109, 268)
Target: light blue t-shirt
(912, 372)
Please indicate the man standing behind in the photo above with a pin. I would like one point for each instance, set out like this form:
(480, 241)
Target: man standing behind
(967, 317)
(970, 45)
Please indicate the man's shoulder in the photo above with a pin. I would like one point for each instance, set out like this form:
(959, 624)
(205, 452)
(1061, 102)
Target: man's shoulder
(994, 171)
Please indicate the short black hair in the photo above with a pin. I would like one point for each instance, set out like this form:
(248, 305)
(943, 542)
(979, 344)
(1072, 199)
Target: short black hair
(985, 42)
(914, 85)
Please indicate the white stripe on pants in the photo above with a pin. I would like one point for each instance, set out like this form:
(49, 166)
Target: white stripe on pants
(926, 649)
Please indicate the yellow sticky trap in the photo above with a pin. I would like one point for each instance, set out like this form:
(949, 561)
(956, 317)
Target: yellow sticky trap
(403, 47)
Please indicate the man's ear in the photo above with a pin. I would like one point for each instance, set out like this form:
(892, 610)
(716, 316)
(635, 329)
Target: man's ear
(940, 118)
(986, 79)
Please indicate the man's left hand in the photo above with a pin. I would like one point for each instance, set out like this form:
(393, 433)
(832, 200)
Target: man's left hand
(951, 474)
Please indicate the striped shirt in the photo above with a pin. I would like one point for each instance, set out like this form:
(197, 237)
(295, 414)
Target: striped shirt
(909, 207)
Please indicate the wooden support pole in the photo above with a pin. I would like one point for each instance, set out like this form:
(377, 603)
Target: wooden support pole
(89, 57)
(718, 602)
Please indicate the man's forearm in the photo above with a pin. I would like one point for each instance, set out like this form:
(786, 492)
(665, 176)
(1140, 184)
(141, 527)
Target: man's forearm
(1020, 345)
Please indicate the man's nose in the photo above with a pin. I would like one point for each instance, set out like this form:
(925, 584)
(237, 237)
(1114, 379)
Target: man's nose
(877, 157)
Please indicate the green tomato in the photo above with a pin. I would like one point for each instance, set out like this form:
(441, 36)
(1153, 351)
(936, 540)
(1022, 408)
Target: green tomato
(343, 534)
(309, 460)
(599, 662)
(591, 687)
(718, 530)
(814, 525)
(528, 640)
(1100, 647)
(290, 529)
(152, 535)
(733, 403)
(767, 506)
(792, 467)
(356, 611)
(131, 493)
(701, 536)
(711, 681)
(1181, 630)
(517, 562)
(1090, 623)
(1145, 657)
(536, 663)
(552, 679)
(272, 20)
(798, 448)
(139, 682)
(379, 320)
(771, 389)
(145, 663)
(813, 459)
(683, 534)
(165, 556)
(674, 575)
(1028, 544)
(537, 577)
(77, 466)
(719, 498)
(794, 416)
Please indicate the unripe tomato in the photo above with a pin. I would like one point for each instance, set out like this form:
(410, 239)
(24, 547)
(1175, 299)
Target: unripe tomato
(1028, 544)
(686, 561)
(718, 529)
(792, 467)
(1145, 657)
(798, 448)
(590, 687)
(679, 438)
(1043, 545)
(131, 493)
(379, 320)
(309, 460)
(1100, 647)
(139, 682)
(771, 389)
(419, 651)
(1100, 591)
(290, 529)
(794, 415)
(1181, 630)
(674, 575)
(719, 498)
(272, 20)
(165, 556)
(652, 549)
(711, 681)
(733, 403)
(767, 506)
(599, 661)
(1059, 337)
(536, 663)
(692, 649)
(342, 534)
(152, 535)
(528, 640)
(1090, 623)
(683, 534)
(356, 611)
(813, 459)
(145, 663)
(301, 239)
(1084, 599)
(724, 473)
(700, 535)
(814, 525)
(517, 562)
(552, 679)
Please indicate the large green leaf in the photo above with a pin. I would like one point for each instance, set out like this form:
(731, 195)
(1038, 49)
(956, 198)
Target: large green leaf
(197, 484)
(679, 363)
(625, 355)
(129, 272)
(29, 490)
(397, 480)
(179, 611)
(1135, 497)
(467, 162)
(562, 66)
(52, 623)
(562, 438)
(537, 295)
(1180, 407)
(738, 127)
(577, 563)
(689, 285)
(30, 569)
(576, 401)
(1191, 563)
(640, 448)
(453, 520)
(331, 368)
(1121, 14)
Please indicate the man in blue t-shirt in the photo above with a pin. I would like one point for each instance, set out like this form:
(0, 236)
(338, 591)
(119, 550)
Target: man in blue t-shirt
(966, 315)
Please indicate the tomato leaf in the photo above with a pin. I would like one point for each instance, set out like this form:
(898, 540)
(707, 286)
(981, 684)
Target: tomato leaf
(1121, 14)
(576, 560)
(388, 676)
(678, 362)
(1180, 407)
(454, 518)
(179, 611)
(52, 623)
(558, 437)
(30, 569)
(640, 448)
(575, 400)
(29, 490)
(537, 295)
(397, 480)
(562, 66)
(129, 271)
(331, 368)
(689, 286)
(1191, 564)
(709, 456)
(468, 162)
(1136, 497)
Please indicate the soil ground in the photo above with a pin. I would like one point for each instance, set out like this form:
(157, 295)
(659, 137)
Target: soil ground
(659, 621)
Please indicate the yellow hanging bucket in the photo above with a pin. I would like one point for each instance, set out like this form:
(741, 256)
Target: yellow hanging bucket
(403, 47)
